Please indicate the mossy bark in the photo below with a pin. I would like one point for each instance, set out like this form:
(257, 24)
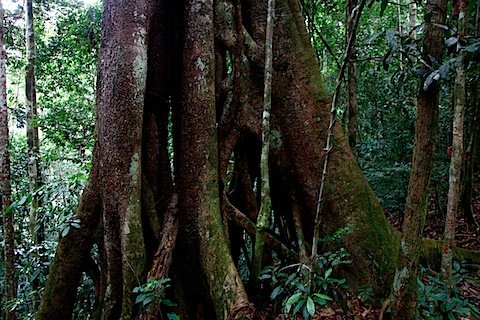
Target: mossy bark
(198, 181)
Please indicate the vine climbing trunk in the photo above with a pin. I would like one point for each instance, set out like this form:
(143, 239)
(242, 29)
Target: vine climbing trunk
(405, 283)
(5, 186)
(264, 214)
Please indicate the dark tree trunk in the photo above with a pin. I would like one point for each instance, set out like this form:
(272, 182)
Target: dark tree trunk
(352, 103)
(5, 187)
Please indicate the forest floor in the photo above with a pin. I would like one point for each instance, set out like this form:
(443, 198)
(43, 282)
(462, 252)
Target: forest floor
(467, 236)
(435, 293)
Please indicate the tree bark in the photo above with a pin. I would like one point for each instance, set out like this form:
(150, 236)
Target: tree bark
(111, 202)
(352, 103)
(5, 185)
(120, 105)
(34, 173)
(405, 282)
(198, 181)
(264, 213)
(456, 157)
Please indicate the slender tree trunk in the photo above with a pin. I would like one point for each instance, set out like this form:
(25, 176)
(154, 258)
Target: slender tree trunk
(352, 103)
(264, 214)
(471, 133)
(5, 188)
(456, 157)
(412, 19)
(405, 282)
(34, 174)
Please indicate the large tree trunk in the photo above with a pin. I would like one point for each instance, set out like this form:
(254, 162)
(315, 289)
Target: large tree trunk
(198, 180)
(217, 118)
(5, 187)
(111, 202)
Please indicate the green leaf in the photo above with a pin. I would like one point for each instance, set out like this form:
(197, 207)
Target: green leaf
(451, 305)
(310, 306)
(65, 231)
(163, 281)
(441, 26)
(173, 316)
(472, 48)
(300, 286)
(169, 303)
(328, 273)
(298, 306)
(451, 41)
(23, 200)
(432, 76)
(473, 308)
(276, 292)
(265, 276)
(322, 296)
(441, 296)
(294, 299)
(443, 70)
(291, 278)
(147, 300)
(140, 297)
(11, 207)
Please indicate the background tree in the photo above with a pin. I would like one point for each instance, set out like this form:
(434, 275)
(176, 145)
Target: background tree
(6, 192)
(405, 282)
(67, 35)
(33, 140)
(457, 155)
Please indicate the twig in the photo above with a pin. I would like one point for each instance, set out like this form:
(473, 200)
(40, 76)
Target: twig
(328, 144)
